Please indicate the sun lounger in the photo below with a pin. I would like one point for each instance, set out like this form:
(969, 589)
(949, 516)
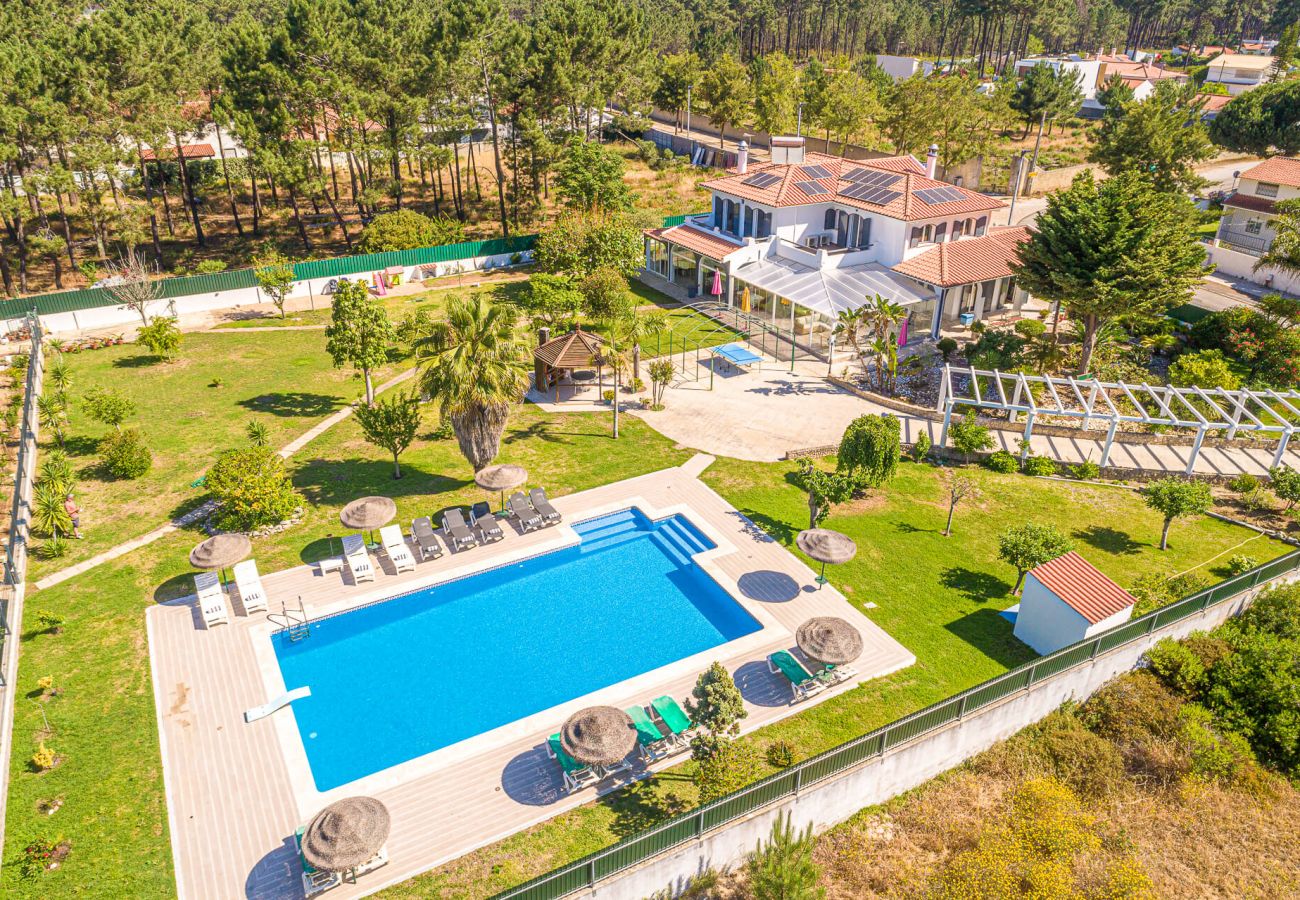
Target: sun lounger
(358, 560)
(652, 742)
(425, 539)
(674, 719)
(537, 496)
(314, 880)
(458, 536)
(802, 683)
(249, 585)
(833, 675)
(524, 514)
(574, 773)
(212, 599)
(480, 516)
(395, 546)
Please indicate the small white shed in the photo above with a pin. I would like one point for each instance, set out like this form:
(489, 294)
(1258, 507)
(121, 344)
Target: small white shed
(1067, 600)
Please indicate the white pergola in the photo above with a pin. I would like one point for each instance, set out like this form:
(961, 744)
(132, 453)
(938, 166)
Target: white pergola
(1264, 412)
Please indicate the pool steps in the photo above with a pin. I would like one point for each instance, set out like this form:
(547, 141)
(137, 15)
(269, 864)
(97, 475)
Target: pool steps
(677, 540)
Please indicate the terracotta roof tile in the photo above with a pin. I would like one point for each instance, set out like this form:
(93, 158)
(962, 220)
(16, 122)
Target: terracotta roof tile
(1214, 102)
(1278, 170)
(966, 260)
(697, 239)
(1254, 204)
(905, 205)
(190, 151)
(1084, 589)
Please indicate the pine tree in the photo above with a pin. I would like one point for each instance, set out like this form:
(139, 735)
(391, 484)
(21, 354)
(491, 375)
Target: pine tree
(782, 868)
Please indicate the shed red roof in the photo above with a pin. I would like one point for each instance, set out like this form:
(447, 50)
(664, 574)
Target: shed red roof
(190, 151)
(1252, 203)
(967, 260)
(1084, 589)
(1278, 170)
(697, 239)
(901, 202)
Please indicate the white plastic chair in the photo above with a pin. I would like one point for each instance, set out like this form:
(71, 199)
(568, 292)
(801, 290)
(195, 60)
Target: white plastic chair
(212, 599)
(395, 546)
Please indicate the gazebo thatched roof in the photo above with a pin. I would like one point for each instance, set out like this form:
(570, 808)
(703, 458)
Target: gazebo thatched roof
(569, 351)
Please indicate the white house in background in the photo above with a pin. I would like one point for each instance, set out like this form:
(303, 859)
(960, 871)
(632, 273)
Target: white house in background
(1066, 601)
(1239, 72)
(1249, 212)
(900, 68)
(800, 239)
(1087, 69)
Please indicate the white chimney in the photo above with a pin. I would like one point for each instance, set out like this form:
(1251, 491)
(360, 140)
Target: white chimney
(931, 160)
(742, 157)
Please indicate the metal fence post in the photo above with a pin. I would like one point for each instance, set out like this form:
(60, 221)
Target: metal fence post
(591, 874)
(798, 779)
(699, 823)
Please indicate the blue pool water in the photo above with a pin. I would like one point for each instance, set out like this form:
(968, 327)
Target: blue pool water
(398, 679)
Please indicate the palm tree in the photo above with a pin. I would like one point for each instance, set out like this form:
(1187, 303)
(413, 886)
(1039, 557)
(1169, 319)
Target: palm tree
(881, 316)
(848, 323)
(639, 326)
(471, 364)
(53, 414)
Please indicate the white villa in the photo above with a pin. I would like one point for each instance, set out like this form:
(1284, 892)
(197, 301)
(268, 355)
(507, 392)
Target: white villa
(1248, 213)
(800, 239)
(1239, 72)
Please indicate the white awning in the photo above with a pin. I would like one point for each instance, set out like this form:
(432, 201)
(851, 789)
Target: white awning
(829, 291)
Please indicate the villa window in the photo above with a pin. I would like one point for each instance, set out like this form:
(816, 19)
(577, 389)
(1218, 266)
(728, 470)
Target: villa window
(927, 234)
(864, 233)
(828, 222)
(718, 220)
(764, 224)
(733, 218)
(940, 232)
(1254, 226)
(657, 258)
(981, 225)
(751, 221)
(1265, 189)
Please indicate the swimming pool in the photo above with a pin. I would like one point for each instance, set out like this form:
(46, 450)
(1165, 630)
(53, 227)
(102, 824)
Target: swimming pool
(397, 679)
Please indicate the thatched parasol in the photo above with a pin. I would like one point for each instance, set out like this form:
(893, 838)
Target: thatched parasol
(826, 546)
(345, 834)
(501, 477)
(598, 735)
(368, 513)
(219, 551)
(829, 640)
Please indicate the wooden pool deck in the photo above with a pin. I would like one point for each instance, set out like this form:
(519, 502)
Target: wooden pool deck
(235, 791)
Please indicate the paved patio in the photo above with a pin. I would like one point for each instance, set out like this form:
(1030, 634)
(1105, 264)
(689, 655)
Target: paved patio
(237, 791)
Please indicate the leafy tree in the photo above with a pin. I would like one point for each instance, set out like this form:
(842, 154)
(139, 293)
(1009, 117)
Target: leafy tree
(1284, 52)
(1044, 94)
(1110, 249)
(959, 488)
(470, 363)
(1175, 498)
(870, 449)
(125, 455)
(1276, 611)
(580, 243)
(1286, 484)
(551, 301)
(969, 436)
(1115, 95)
(678, 73)
(1161, 138)
(391, 424)
(776, 93)
(851, 107)
(1253, 691)
(715, 703)
(815, 83)
(1284, 252)
(359, 333)
(253, 487)
(406, 229)
(274, 276)
(661, 375)
(782, 868)
(590, 177)
(162, 337)
(731, 766)
(727, 93)
(1028, 546)
(108, 407)
(133, 287)
(1207, 369)
(825, 490)
(605, 294)
(1261, 122)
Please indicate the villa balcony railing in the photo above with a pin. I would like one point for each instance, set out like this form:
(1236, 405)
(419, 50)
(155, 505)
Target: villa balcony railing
(1254, 244)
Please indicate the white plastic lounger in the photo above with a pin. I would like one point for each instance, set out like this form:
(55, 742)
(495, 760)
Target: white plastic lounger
(249, 584)
(395, 546)
(212, 599)
(358, 560)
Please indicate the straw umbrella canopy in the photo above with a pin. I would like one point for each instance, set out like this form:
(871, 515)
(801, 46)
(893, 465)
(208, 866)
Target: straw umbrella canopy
(501, 478)
(219, 551)
(829, 640)
(345, 834)
(826, 546)
(598, 735)
(368, 513)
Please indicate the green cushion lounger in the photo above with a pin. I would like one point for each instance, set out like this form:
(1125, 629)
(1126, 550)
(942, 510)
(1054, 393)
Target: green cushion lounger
(674, 718)
(313, 879)
(576, 775)
(802, 683)
(649, 738)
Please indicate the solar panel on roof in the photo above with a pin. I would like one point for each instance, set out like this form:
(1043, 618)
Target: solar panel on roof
(880, 179)
(854, 174)
(811, 188)
(761, 180)
(939, 195)
(816, 171)
(878, 195)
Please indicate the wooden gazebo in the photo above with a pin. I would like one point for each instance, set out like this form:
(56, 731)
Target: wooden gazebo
(556, 356)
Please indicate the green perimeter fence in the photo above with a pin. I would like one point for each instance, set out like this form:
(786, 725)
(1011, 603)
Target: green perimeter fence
(337, 267)
(638, 848)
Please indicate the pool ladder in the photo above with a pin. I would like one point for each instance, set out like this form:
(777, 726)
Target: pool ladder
(299, 625)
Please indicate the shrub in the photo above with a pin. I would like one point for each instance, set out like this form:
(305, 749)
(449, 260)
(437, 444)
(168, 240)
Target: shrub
(1087, 762)
(1206, 369)
(1178, 666)
(1215, 754)
(1040, 465)
(780, 754)
(1030, 328)
(730, 766)
(1002, 461)
(947, 346)
(1286, 484)
(253, 488)
(210, 267)
(969, 436)
(1086, 470)
(921, 447)
(161, 336)
(636, 385)
(715, 702)
(407, 229)
(1275, 611)
(258, 434)
(782, 868)
(52, 548)
(45, 683)
(609, 396)
(48, 514)
(44, 758)
(50, 623)
(1155, 589)
(1132, 709)
(1243, 484)
(124, 454)
(1240, 563)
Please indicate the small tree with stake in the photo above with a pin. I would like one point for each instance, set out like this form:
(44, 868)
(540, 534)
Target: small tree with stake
(359, 332)
(661, 375)
(959, 488)
(1175, 498)
(1030, 545)
(108, 407)
(825, 490)
(391, 423)
(1286, 484)
(274, 276)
